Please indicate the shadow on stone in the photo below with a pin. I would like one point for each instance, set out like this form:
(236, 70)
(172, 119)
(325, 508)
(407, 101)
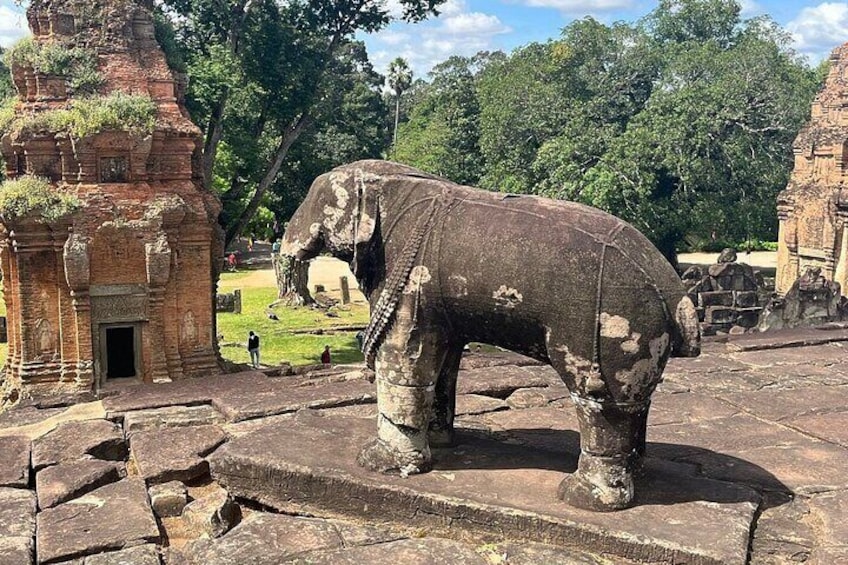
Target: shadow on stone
(673, 473)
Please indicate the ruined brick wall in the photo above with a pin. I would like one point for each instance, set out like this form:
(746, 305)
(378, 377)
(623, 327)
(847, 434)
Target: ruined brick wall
(814, 207)
(139, 252)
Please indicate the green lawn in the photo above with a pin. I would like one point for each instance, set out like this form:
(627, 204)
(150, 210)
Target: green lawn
(278, 344)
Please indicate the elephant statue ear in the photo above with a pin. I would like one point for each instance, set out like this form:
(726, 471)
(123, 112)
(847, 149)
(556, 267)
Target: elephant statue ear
(367, 216)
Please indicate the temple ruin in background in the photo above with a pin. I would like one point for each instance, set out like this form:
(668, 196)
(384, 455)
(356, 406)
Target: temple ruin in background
(813, 210)
(109, 242)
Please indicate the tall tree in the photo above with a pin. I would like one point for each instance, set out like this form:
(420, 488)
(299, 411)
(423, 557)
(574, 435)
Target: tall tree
(399, 79)
(682, 123)
(442, 134)
(7, 89)
(258, 69)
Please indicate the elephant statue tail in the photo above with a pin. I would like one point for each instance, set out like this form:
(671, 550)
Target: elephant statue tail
(687, 330)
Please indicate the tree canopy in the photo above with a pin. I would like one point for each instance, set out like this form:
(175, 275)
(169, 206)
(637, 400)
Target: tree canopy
(681, 123)
(263, 73)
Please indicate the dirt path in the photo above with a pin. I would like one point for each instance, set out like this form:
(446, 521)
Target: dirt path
(324, 271)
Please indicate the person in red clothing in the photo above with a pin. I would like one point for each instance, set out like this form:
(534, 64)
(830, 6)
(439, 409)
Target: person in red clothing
(325, 357)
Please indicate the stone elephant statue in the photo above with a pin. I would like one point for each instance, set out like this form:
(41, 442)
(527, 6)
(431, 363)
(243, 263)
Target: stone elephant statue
(444, 265)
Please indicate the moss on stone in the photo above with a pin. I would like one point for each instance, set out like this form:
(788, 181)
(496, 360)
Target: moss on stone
(83, 117)
(76, 64)
(34, 196)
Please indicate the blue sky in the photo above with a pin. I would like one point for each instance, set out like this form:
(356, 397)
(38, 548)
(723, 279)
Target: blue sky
(468, 26)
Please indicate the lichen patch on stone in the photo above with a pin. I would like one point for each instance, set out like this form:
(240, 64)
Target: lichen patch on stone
(615, 327)
(507, 297)
(419, 276)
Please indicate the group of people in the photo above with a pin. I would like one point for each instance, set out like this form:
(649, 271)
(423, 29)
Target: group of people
(253, 349)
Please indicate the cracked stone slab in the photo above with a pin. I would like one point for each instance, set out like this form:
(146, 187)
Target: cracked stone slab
(783, 533)
(424, 551)
(487, 360)
(274, 399)
(113, 517)
(168, 499)
(70, 479)
(264, 539)
(175, 454)
(138, 555)
(776, 339)
(213, 515)
(70, 441)
(469, 404)
(687, 408)
(185, 392)
(310, 467)
(779, 405)
(15, 456)
(830, 509)
(17, 526)
(170, 417)
(502, 381)
(831, 427)
(746, 450)
(537, 397)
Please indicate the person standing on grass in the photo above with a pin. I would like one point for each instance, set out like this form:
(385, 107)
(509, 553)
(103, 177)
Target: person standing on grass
(325, 357)
(253, 349)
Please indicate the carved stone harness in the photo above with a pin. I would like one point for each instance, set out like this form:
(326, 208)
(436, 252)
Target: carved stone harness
(384, 312)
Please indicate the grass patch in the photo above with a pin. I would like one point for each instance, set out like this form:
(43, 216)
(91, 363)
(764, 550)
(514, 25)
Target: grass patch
(278, 343)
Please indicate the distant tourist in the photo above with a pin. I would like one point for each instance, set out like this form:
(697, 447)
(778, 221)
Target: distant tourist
(232, 262)
(325, 357)
(360, 339)
(250, 241)
(253, 349)
(275, 247)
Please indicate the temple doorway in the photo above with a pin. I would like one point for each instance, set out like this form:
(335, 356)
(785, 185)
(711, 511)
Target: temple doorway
(119, 347)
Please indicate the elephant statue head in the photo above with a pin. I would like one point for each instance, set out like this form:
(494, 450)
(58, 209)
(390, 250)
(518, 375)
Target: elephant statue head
(339, 215)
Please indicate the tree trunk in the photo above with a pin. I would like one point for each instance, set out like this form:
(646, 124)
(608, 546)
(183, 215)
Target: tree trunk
(292, 281)
(289, 137)
(397, 121)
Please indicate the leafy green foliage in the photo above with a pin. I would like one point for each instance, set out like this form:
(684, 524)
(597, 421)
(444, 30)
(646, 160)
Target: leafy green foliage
(442, 134)
(263, 78)
(133, 113)
(34, 196)
(682, 124)
(77, 64)
(7, 89)
(117, 111)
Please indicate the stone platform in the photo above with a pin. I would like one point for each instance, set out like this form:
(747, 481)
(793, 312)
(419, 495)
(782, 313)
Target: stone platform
(747, 459)
(489, 489)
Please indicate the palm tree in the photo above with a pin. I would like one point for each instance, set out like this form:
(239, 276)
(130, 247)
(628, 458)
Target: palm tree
(399, 80)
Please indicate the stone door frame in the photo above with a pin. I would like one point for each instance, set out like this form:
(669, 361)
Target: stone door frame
(101, 364)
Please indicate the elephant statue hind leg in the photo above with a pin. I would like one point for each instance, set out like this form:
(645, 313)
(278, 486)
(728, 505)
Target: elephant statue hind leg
(608, 452)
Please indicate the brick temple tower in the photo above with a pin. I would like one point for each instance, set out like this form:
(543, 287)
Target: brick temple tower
(813, 210)
(109, 242)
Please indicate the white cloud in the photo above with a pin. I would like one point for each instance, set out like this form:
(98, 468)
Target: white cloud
(751, 8)
(817, 30)
(456, 31)
(13, 26)
(581, 6)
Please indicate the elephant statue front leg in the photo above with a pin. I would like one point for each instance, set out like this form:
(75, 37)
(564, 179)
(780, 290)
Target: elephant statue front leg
(611, 442)
(407, 366)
